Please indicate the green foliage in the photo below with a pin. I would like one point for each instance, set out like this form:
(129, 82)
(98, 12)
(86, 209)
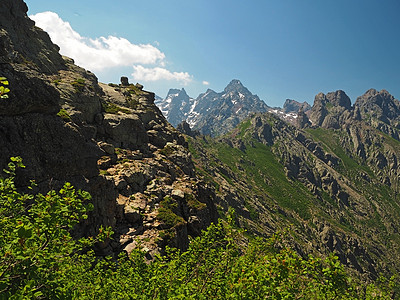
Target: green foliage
(104, 172)
(216, 267)
(112, 108)
(167, 212)
(36, 247)
(40, 260)
(193, 202)
(78, 84)
(63, 114)
(261, 168)
(3, 89)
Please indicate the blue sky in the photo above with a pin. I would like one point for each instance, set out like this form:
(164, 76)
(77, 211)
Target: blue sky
(279, 49)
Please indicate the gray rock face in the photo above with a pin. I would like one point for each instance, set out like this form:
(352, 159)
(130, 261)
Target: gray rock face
(339, 98)
(22, 42)
(295, 106)
(380, 110)
(380, 105)
(184, 127)
(302, 120)
(331, 110)
(125, 131)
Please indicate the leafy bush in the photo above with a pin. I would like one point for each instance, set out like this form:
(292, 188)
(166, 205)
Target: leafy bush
(36, 247)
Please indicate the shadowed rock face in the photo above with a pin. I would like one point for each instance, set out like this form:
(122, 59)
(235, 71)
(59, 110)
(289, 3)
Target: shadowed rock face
(339, 98)
(109, 140)
(295, 106)
(22, 42)
(331, 110)
(380, 105)
(380, 110)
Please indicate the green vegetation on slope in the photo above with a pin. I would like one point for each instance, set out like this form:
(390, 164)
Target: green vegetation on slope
(39, 259)
(258, 166)
(275, 175)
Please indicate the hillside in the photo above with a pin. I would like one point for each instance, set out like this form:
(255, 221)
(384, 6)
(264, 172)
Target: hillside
(110, 140)
(331, 182)
(334, 198)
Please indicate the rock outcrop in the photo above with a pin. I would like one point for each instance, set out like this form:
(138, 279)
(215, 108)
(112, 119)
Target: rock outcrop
(380, 110)
(110, 140)
(295, 106)
(331, 110)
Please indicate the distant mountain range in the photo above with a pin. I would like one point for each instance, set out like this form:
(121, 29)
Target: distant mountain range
(215, 113)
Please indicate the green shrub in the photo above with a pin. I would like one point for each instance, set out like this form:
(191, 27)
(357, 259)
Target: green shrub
(36, 247)
(112, 108)
(79, 84)
(193, 202)
(167, 150)
(166, 213)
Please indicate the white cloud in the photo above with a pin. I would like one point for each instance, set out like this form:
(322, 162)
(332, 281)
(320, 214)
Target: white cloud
(206, 83)
(106, 52)
(141, 73)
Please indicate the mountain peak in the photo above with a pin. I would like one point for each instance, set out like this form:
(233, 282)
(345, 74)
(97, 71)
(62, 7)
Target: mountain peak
(177, 92)
(236, 86)
(235, 82)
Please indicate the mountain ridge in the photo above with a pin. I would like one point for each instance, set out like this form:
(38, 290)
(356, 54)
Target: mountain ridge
(226, 108)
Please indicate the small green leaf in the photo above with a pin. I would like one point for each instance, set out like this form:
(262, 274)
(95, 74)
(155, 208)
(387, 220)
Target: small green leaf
(24, 232)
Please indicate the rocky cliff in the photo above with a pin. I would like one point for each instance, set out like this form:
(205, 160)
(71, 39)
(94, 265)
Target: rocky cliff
(110, 140)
